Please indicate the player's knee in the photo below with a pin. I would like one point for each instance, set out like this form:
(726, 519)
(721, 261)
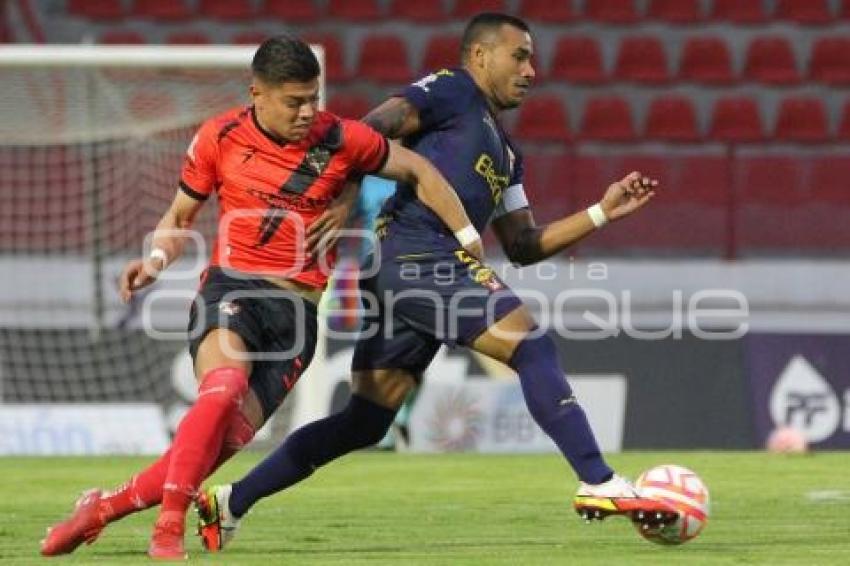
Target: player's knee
(224, 385)
(533, 351)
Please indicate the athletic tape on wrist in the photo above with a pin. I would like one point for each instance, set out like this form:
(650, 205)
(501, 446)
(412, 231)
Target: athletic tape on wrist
(467, 235)
(597, 215)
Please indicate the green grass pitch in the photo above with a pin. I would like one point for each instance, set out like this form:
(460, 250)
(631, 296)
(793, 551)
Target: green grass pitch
(378, 508)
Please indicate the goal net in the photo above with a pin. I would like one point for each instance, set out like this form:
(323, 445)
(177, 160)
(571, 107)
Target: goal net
(91, 144)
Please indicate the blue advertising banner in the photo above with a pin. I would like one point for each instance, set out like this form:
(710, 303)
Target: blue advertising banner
(801, 381)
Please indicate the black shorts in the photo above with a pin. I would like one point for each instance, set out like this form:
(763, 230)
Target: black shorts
(422, 299)
(279, 327)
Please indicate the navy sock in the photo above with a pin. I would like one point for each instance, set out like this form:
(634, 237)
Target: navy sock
(555, 409)
(361, 424)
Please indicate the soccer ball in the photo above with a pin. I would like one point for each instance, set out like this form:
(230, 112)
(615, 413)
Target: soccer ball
(684, 491)
(787, 440)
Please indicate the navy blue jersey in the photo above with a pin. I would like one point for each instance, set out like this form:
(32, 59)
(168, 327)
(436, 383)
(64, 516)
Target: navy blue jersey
(462, 138)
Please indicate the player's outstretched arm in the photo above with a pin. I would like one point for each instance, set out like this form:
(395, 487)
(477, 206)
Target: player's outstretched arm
(435, 192)
(525, 243)
(167, 245)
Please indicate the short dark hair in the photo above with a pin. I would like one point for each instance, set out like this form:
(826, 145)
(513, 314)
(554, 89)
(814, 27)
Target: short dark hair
(486, 22)
(285, 58)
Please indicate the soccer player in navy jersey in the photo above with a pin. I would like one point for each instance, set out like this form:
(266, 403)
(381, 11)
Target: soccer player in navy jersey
(277, 167)
(452, 118)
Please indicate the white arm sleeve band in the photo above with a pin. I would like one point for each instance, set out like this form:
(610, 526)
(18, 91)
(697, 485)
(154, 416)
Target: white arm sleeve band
(513, 198)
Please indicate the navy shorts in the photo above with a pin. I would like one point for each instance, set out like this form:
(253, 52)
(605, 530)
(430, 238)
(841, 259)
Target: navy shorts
(278, 326)
(419, 300)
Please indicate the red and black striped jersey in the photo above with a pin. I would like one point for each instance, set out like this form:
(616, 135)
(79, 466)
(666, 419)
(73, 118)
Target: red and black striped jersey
(270, 191)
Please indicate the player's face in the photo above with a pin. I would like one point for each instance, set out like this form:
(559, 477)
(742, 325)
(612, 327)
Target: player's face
(508, 67)
(288, 109)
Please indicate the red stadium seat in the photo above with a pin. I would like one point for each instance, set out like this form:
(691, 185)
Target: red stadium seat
(770, 59)
(334, 62)
(547, 11)
(425, 11)
(672, 118)
(830, 61)
(825, 170)
(611, 11)
(607, 118)
(467, 8)
(811, 12)
(353, 106)
(641, 59)
(295, 11)
(249, 37)
(844, 126)
(354, 10)
(706, 60)
(227, 10)
(383, 58)
(739, 11)
(121, 37)
(187, 38)
(675, 11)
(801, 119)
(577, 59)
(547, 181)
(176, 10)
(845, 9)
(736, 119)
(105, 10)
(441, 51)
(542, 118)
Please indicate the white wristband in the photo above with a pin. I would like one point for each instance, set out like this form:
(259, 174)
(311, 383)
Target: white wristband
(467, 235)
(159, 253)
(597, 215)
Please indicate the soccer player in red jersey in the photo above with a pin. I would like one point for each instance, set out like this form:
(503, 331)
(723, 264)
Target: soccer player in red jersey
(277, 167)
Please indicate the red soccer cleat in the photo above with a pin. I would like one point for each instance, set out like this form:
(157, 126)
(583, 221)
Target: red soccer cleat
(167, 540)
(83, 526)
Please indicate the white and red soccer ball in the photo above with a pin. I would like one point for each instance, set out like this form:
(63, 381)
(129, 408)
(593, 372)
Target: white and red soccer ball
(683, 490)
(787, 440)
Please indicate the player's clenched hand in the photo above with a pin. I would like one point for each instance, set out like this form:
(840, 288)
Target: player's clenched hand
(324, 232)
(137, 273)
(627, 195)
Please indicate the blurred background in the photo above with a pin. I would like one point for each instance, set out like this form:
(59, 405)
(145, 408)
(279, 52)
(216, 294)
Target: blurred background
(740, 107)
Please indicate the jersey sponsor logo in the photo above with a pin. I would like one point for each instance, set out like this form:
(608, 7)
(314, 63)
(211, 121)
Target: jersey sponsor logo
(486, 167)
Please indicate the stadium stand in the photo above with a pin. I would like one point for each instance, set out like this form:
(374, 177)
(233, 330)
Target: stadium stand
(672, 118)
(706, 60)
(577, 59)
(441, 51)
(97, 10)
(295, 11)
(611, 11)
(641, 59)
(614, 72)
(675, 11)
(384, 59)
(542, 118)
(420, 11)
(607, 118)
(547, 11)
(164, 12)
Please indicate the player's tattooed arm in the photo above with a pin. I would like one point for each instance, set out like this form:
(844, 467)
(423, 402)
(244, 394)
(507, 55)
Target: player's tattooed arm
(394, 118)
